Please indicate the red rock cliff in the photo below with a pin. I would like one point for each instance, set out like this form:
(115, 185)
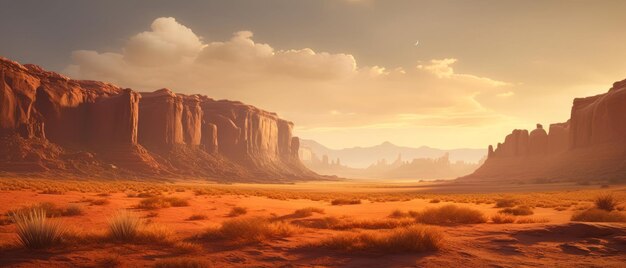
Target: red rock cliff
(590, 146)
(183, 135)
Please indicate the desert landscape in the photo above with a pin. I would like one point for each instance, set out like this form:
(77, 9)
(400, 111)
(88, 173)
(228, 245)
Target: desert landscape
(373, 225)
(138, 144)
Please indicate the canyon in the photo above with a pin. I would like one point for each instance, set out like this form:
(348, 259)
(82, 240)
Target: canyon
(51, 124)
(590, 146)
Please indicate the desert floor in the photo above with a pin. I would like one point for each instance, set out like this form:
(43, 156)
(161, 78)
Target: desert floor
(551, 239)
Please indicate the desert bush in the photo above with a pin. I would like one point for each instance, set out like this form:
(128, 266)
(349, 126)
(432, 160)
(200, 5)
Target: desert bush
(177, 202)
(518, 211)
(197, 217)
(124, 226)
(51, 191)
(154, 234)
(415, 238)
(606, 202)
(348, 224)
(162, 202)
(73, 210)
(307, 212)
(185, 262)
(434, 201)
(506, 203)
(450, 214)
(237, 211)
(345, 201)
(100, 202)
(501, 218)
(35, 231)
(251, 229)
(398, 214)
(526, 220)
(599, 215)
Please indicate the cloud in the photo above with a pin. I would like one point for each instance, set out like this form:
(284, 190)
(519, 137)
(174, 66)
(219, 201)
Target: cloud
(317, 90)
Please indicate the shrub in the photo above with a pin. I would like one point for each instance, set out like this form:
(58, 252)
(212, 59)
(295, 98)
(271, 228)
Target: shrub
(450, 214)
(599, 215)
(435, 201)
(518, 211)
(525, 220)
(415, 238)
(197, 217)
(73, 210)
(162, 202)
(506, 203)
(177, 202)
(50, 209)
(123, 226)
(398, 214)
(182, 263)
(606, 202)
(35, 231)
(100, 202)
(252, 229)
(502, 218)
(344, 201)
(237, 211)
(306, 212)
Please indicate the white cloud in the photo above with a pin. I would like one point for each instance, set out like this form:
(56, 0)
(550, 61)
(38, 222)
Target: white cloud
(302, 84)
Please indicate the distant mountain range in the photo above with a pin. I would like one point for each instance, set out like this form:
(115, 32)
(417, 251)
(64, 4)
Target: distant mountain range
(363, 157)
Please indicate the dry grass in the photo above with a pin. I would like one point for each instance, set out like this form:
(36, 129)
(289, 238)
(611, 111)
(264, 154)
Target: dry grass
(527, 220)
(237, 211)
(124, 226)
(35, 231)
(518, 211)
(506, 203)
(599, 215)
(157, 202)
(100, 202)
(335, 223)
(197, 217)
(501, 218)
(307, 212)
(416, 238)
(50, 209)
(345, 201)
(397, 213)
(73, 210)
(606, 202)
(249, 230)
(450, 214)
(184, 262)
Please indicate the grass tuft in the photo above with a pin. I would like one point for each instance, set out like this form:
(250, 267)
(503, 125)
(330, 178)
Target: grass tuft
(599, 215)
(450, 214)
(124, 226)
(35, 231)
(416, 238)
(237, 211)
(345, 201)
(606, 202)
(248, 230)
(518, 211)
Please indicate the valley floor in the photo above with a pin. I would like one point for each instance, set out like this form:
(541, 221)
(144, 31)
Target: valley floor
(547, 238)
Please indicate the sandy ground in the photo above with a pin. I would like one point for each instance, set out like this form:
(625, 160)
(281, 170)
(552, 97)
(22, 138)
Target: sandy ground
(557, 243)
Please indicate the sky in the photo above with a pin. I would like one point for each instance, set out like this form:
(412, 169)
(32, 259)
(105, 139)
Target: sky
(446, 74)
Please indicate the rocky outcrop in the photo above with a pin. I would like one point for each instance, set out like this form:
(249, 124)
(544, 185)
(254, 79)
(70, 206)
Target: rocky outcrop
(590, 146)
(46, 117)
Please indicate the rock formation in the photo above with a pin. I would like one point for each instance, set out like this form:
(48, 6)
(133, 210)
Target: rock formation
(47, 120)
(590, 146)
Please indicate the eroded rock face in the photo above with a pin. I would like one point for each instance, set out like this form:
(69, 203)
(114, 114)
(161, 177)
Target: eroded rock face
(191, 135)
(590, 146)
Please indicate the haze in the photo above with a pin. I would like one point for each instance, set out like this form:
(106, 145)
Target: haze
(347, 73)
